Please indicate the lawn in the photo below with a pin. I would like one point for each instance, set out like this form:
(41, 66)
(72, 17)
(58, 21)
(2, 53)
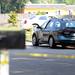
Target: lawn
(0, 52)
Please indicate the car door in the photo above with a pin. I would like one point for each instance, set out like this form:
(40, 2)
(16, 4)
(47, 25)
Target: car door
(40, 32)
(47, 30)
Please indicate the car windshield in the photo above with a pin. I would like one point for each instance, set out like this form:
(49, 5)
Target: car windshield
(70, 24)
(43, 18)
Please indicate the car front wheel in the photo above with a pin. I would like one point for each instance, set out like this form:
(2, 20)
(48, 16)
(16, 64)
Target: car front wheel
(34, 41)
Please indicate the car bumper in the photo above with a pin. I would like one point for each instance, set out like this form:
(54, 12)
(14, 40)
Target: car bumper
(64, 40)
(67, 42)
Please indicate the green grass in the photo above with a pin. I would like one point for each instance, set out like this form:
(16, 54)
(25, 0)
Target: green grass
(0, 52)
(10, 28)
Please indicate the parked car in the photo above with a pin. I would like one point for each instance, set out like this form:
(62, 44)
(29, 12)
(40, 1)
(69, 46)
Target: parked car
(55, 31)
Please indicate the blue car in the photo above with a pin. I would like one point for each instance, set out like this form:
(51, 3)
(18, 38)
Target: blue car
(55, 31)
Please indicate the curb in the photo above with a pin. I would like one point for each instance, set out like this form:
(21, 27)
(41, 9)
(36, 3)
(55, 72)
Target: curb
(4, 59)
(4, 62)
(47, 55)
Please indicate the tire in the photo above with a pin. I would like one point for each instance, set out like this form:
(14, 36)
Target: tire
(52, 42)
(35, 41)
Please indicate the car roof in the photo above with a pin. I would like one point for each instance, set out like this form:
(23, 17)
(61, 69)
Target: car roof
(67, 17)
(64, 18)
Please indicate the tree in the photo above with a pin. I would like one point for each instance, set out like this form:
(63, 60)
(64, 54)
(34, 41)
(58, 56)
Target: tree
(53, 1)
(20, 4)
(69, 1)
(4, 6)
(11, 5)
(16, 5)
(36, 1)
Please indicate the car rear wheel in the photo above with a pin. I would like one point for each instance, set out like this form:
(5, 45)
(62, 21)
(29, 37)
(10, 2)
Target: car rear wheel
(34, 41)
(52, 43)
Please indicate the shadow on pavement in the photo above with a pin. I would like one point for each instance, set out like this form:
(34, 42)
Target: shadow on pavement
(57, 47)
(29, 44)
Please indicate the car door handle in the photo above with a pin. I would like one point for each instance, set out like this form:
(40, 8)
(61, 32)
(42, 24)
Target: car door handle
(45, 34)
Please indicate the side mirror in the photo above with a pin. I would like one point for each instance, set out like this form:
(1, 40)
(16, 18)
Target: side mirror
(37, 26)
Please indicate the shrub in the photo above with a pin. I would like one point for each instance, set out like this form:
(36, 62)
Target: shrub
(12, 18)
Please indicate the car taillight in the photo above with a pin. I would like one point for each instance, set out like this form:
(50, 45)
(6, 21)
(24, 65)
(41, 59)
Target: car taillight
(60, 32)
(25, 21)
(68, 31)
(65, 31)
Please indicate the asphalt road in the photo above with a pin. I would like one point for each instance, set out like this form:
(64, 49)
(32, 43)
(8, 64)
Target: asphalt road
(42, 61)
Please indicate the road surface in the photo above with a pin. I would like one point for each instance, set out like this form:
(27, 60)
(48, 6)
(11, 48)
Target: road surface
(42, 61)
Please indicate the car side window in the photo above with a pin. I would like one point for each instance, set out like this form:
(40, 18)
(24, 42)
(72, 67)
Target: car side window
(44, 24)
(43, 18)
(50, 25)
(57, 24)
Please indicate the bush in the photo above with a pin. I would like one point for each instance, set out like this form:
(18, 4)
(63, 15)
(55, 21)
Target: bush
(12, 18)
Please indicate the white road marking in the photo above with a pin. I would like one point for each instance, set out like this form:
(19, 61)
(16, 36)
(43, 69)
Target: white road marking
(4, 69)
(25, 59)
(65, 63)
(17, 72)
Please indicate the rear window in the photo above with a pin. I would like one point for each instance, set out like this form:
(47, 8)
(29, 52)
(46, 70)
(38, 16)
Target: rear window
(43, 18)
(70, 24)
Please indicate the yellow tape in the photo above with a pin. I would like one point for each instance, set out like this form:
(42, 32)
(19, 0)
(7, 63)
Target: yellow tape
(36, 54)
(47, 55)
